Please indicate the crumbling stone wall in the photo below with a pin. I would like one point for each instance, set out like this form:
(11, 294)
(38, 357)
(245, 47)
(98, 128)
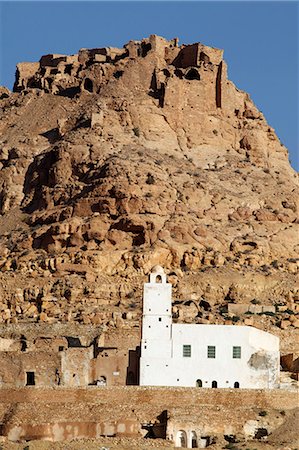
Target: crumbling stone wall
(14, 367)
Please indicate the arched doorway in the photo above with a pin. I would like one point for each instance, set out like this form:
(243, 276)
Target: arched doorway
(214, 384)
(181, 439)
(194, 443)
(236, 384)
(198, 383)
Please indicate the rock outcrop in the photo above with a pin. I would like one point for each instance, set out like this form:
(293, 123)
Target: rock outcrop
(114, 160)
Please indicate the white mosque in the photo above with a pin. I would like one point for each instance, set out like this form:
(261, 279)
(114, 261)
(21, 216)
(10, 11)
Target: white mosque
(223, 356)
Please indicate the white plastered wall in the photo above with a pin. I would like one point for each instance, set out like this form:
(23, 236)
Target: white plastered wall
(163, 364)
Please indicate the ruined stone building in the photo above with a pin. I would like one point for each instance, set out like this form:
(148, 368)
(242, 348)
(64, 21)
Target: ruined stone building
(65, 361)
(223, 356)
(172, 354)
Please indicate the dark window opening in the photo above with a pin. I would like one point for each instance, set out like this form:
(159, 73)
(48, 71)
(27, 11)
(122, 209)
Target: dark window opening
(118, 74)
(157, 92)
(88, 85)
(158, 279)
(23, 343)
(131, 379)
(214, 384)
(204, 57)
(187, 351)
(49, 81)
(57, 376)
(60, 348)
(218, 86)
(70, 92)
(160, 319)
(34, 83)
(30, 379)
(68, 69)
(198, 383)
(236, 385)
(145, 48)
(236, 352)
(73, 341)
(211, 351)
(178, 73)
(192, 74)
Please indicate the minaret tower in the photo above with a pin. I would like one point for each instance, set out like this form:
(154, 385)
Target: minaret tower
(156, 344)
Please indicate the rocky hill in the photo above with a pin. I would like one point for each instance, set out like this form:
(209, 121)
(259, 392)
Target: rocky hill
(115, 160)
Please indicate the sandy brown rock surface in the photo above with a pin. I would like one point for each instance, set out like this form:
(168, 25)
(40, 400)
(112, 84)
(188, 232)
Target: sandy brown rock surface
(115, 160)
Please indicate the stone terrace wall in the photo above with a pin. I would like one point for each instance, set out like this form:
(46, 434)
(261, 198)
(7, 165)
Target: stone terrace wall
(156, 397)
(60, 414)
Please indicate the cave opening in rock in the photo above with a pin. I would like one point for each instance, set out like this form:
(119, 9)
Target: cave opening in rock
(88, 85)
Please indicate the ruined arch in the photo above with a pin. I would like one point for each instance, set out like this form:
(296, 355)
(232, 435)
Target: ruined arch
(198, 383)
(236, 384)
(214, 384)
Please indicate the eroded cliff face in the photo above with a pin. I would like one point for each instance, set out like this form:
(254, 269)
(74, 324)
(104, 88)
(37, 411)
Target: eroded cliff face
(114, 160)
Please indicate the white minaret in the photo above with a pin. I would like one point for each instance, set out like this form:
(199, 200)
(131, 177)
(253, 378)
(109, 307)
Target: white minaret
(156, 344)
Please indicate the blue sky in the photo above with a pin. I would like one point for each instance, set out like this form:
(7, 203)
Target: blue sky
(260, 42)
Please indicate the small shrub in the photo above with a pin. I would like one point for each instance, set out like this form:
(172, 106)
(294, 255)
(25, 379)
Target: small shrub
(215, 132)
(289, 311)
(255, 302)
(235, 318)
(136, 131)
(132, 305)
(150, 179)
(275, 264)
(263, 413)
